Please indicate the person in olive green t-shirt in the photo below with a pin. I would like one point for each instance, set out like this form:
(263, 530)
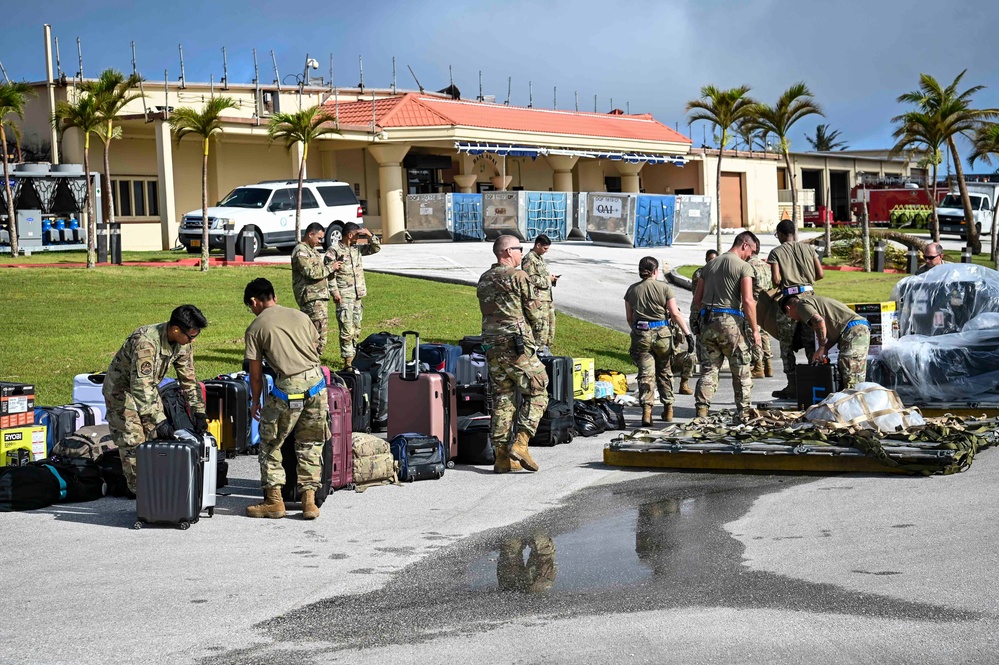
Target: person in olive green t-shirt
(649, 305)
(834, 324)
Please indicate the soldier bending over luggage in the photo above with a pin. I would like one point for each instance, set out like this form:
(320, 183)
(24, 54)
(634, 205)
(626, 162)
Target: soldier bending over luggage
(298, 404)
(131, 389)
(834, 324)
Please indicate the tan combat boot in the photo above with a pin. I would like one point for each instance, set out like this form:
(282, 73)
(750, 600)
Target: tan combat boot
(310, 510)
(685, 388)
(702, 412)
(519, 452)
(758, 369)
(768, 367)
(348, 362)
(272, 507)
(667, 415)
(646, 416)
(503, 463)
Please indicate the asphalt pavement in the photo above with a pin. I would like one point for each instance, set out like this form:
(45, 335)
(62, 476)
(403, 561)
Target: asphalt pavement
(577, 563)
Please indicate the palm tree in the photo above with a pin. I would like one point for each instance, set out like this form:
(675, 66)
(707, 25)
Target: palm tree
(794, 104)
(952, 111)
(302, 127)
(985, 146)
(13, 96)
(204, 125)
(825, 141)
(919, 133)
(85, 116)
(724, 109)
(113, 92)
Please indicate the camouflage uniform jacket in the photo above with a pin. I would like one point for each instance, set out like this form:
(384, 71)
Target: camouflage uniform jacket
(508, 304)
(309, 272)
(537, 272)
(762, 278)
(348, 281)
(696, 277)
(135, 373)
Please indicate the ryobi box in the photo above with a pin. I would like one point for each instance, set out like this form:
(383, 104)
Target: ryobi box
(17, 405)
(22, 444)
(583, 378)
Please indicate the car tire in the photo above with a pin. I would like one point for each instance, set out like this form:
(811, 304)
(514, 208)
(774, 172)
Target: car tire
(334, 233)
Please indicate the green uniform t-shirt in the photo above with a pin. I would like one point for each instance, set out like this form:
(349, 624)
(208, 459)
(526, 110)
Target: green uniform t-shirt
(648, 299)
(723, 281)
(835, 313)
(286, 338)
(796, 261)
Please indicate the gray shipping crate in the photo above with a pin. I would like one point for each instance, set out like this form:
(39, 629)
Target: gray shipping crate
(577, 225)
(427, 217)
(610, 218)
(526, 214)
(692, 221)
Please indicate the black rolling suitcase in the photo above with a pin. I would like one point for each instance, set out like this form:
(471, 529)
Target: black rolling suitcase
(380, 354)
(815, 383)
(227, 402)
(176, 480)
(560, 387)
(472, 398)
(359, 385)
(556, 426)
(474, 445)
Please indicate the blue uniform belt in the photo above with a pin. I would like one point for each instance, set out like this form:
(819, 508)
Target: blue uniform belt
(858, 322)
(650, 325)
(311, 392)
(795, 290)
(722, 310)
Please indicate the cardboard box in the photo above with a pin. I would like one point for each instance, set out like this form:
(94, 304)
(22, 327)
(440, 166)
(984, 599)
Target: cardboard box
(17, 405)
(583, 378)
(31, 439)
(883, 317)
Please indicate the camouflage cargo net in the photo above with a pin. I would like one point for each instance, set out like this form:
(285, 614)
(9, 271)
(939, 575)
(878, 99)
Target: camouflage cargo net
(943, 445)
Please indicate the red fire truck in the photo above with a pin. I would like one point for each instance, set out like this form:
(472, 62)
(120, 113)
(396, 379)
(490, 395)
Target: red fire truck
(885, 198)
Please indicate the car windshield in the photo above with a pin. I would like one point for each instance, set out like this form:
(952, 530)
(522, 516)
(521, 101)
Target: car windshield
(246, 197)
(951, 201)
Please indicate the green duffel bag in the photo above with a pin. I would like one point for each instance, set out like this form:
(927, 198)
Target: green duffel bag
(85, 443)
(371, 470)
(366, 445)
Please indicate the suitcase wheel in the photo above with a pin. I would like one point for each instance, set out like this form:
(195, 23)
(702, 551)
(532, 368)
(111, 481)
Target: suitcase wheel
(211, 511)
(450, 464)
(137, 525)
(185, 525)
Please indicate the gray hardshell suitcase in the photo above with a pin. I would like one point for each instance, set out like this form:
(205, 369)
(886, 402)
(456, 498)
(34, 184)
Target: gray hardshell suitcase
(471, 368)
(177, 480)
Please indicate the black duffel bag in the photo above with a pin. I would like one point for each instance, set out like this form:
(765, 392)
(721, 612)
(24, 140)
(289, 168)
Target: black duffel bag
(49, 481)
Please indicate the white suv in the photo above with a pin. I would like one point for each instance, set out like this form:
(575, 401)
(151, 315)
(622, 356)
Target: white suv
(268, 209)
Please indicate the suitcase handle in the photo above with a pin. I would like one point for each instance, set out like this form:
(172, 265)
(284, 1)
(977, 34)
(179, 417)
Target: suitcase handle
(416, 356)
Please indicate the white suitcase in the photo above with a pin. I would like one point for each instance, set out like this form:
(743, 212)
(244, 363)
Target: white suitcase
(89, 389)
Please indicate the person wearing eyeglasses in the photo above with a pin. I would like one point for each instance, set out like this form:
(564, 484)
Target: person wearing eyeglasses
(131, 388)
(511, 311)
(932, 257)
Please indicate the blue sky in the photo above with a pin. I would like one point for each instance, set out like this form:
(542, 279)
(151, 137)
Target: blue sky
(857, 56)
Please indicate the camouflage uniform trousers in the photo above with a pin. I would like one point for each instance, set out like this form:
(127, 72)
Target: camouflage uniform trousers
(544, 330)
(319, 312)
(537, 575)
(127, 433)
(310, 425)
(853, 346)
(652, 353)
(349, 313)
(725, 338)
(510, 374)
(786, 326)
(763, 351)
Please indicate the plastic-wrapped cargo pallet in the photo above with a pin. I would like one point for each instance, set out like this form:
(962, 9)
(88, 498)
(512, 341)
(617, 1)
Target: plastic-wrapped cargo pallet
(869, 406)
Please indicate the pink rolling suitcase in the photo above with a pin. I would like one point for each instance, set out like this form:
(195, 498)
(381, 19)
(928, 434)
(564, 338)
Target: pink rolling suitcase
(423, 402)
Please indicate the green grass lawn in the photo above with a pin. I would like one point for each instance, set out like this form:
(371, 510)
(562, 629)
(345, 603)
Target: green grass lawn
(59, 322)
(845, 286)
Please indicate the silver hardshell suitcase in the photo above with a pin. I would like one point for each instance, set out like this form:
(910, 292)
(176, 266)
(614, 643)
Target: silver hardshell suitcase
(176, 480)
(471, 368)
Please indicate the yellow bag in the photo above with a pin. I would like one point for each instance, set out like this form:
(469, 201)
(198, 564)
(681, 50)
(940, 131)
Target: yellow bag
(617, 379)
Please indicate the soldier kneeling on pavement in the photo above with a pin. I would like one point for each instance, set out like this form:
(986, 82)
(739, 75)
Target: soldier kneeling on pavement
(834, 324)
(298, 404)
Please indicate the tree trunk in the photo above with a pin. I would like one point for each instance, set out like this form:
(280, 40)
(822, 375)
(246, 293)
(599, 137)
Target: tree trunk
(11, 219)
(934, 220)
(969, 216)
(828, 220)
(794, 190)
(91, 218)
(108, 192)
(718, 198)
(204, 209)
(865, 235)
(995, 233)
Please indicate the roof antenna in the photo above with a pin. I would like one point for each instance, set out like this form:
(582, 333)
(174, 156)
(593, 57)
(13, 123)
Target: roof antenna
(166, 94)
(331, 71)
(256, 88)
(413, 74)
(594, 103)
(211, 83)
(79, 54)
(450, 75)
(277, 77)
(627, 106)
(4, 73)
(133, 58)
(145, 109)
(612, 103)
(480, 85)
(555, 97)
(577, 101)
(393, 74)
(530, 94)
(509, 83)
(183, 81)
(225, 71)
(360, 64)
(58, 63)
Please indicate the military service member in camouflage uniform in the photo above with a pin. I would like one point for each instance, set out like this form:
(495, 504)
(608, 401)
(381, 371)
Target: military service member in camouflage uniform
(682, 365)
(347, 286)
(287, 339)
(727, 314)
(649, 305)
(310, 270)
(762, 354)
(543, 281)
(794, 268)
(709, 256)
(131, 388)
(834, 324)
(510, 312)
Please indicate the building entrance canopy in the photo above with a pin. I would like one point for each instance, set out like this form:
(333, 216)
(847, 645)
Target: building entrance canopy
(508, 150)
